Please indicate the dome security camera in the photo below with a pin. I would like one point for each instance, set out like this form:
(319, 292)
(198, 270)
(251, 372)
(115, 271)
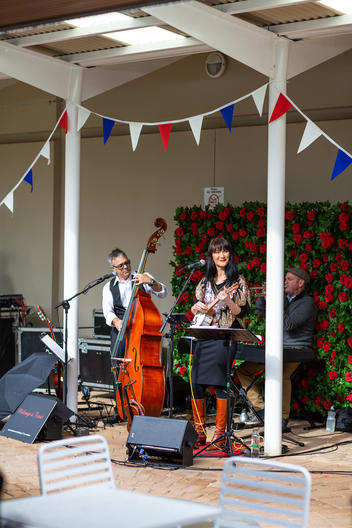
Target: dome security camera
(215, 64)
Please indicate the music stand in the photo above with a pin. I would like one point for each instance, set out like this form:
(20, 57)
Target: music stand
(228, 335)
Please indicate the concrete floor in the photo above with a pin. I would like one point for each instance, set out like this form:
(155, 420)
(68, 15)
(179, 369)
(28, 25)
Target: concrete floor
(327, 456)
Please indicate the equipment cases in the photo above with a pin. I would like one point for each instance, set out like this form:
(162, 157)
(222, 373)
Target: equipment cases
(95, 363)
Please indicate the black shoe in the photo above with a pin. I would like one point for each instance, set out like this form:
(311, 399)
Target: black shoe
(285, 428)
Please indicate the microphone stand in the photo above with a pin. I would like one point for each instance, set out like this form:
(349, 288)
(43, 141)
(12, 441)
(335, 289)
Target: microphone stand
(171, 319)
(66, 306)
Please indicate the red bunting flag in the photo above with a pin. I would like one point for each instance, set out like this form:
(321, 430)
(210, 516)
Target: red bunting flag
(165, 134)
(63, 123)
(282, 106)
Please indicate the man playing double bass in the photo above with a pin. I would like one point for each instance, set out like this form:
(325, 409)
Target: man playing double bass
(117, 292)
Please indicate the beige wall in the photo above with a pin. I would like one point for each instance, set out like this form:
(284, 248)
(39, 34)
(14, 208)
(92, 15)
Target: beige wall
(122, 192)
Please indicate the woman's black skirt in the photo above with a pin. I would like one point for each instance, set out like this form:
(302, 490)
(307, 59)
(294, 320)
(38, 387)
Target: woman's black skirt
(210, 362)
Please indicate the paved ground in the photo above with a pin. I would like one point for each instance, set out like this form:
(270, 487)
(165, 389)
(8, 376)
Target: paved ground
(327, 456)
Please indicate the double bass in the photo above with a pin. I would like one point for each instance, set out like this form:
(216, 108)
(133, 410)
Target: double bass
(136, 355)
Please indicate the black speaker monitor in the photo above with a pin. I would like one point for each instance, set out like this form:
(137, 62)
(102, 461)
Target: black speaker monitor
(162, 438)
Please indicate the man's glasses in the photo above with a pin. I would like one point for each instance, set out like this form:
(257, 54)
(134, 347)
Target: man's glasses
(123, 265)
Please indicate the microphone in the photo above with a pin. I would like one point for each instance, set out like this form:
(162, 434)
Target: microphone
(195, 264)
(108, 276)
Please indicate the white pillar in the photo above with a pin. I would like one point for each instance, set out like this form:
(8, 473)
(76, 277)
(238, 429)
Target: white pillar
(71, 235)
(275, 258)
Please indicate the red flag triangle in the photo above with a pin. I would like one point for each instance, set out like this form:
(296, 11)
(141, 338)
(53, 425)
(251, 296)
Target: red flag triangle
(165, 134)
(63, 123)
(281, 107)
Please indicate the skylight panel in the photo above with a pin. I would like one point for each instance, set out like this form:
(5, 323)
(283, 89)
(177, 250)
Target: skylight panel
(144, 35)
(344, 6)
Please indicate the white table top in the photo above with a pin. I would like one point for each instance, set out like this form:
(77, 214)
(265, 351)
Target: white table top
(94, 507)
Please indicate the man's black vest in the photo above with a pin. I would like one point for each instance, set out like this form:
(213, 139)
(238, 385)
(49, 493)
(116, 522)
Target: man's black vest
(115, 292)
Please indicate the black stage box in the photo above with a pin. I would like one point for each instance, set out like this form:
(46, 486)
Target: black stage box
(7, 345)
(162, 438)
(100, 328)
(95, 363)
(28, 341)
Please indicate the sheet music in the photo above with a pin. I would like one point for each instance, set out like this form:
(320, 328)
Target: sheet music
(54, 347)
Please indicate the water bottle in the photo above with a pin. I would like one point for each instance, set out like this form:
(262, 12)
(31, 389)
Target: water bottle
(255, 444)
(331, 420)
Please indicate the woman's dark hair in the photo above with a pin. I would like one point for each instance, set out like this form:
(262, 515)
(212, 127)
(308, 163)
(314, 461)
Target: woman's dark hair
(217, 244)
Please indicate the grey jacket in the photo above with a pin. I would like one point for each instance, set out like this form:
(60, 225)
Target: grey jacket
(299, 319)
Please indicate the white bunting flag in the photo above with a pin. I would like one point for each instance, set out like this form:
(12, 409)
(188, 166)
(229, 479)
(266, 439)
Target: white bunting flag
(258, 97)
(82, 117)
(8, 201)
(135, 131)
(45, 152)
(196, 126)
(310, 134)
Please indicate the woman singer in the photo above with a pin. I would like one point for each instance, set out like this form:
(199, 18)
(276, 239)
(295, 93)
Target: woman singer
(210, 356)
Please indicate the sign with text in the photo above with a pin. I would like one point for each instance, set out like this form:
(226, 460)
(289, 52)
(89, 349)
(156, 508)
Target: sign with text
(213, 196)
(28, 419)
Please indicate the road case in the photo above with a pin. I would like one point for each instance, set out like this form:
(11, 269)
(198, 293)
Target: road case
(100, 328)
(95, 364)
(28, 341)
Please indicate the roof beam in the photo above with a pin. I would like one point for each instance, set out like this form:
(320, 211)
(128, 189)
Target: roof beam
(248, 6)
(136, 53)
(306, 54)
(307, 28)
(75, 33)
(236, 38)
(46, 73)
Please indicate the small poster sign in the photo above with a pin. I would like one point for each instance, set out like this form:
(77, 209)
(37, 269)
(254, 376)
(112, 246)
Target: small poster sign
(213, 196)
(28, 419)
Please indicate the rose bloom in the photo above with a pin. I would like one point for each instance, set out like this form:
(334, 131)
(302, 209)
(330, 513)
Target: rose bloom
(332, 375)
(311, 215)
(342, 242)
(348, 282)
(305, 383)
(308, 248)
(219, 225)
(256, 261)
(344, 206)
(319, 401)
(194, 215)
(349, 341)
(333, 266)
(322, 305)
(348, 377)
(296, 228)
(222, 215)
(242, 212)
(329, 288)
(211, 231)
(343, 218)
(349, 360)
(343, 227)
(343, 296)
(260, 211)
(341, 328)
(183, 216)
(313, 274)
(250, 216)
(203, 215)
(326, 346)
(317, 263)
(329, 277)
(303, 258)
(243, 232)
(289, 216)
(183, 370)
(344, 265)
(263, 267)
(305, 399)
(194, 226)
(235, 235)
(325, 257)
(262, 248)
(324, 325)
(298, 239)
(250, 265)
(261, 222)
(229, 228)
(179, 251)
(327, 404)
(189, 250)
(332, 334)
(312, 372)
(293, 253)
(260, 232)
(349, 397)
(179, 231)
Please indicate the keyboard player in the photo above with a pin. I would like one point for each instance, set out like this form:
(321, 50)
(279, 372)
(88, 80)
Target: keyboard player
(300, 314)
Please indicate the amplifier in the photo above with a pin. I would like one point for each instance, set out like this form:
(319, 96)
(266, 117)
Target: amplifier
(28, 341)
(100, 328)
(95, 363)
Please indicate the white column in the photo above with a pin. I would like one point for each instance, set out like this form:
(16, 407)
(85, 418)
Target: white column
(275, 258)
(71, 235)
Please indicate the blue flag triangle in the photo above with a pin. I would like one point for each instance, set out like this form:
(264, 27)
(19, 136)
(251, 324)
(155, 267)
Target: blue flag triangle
(108, 125)
(29, 178)
(227, 114)
(341, 163)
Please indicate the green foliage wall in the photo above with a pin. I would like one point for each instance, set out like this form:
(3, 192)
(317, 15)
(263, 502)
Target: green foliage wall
(318, 239)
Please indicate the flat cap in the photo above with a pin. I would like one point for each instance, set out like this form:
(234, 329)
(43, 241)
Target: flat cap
(299, 273)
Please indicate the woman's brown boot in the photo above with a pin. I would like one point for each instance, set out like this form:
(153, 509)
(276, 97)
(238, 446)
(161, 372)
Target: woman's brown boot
(221, 415)
(199, 417)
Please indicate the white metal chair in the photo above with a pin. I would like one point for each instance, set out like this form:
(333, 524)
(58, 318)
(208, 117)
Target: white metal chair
(74, 462)
(261, 493)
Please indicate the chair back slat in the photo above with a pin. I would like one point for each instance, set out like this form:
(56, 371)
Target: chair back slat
(264, 494)
(74, 462)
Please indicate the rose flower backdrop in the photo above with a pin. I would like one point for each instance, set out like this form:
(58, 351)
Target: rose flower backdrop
(317, 239)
